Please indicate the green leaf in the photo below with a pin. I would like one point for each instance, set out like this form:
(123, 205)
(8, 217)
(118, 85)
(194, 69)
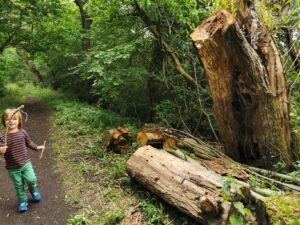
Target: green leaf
(277, 6)
(236, 220)
(240, 207)
(283, 18)
(278, 222)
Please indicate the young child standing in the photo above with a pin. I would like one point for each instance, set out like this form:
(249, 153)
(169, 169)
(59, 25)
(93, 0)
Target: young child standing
(17, 158)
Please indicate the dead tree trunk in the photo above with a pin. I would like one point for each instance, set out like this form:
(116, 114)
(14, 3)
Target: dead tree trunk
(249, 92)
(86, 23)
(30, 64)
(191, 188)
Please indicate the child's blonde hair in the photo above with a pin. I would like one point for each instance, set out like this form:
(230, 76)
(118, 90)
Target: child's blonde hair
(7, 115)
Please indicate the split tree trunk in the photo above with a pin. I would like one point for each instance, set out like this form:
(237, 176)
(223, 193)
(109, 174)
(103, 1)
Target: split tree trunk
(250, 103)
(191, 188)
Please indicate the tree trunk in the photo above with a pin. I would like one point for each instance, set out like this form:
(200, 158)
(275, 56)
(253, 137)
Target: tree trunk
(86, 23)
(249, 93)
(30, 64)
(191, 188)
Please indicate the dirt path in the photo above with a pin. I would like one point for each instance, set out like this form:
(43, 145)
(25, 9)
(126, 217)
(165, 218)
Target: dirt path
(51, 210)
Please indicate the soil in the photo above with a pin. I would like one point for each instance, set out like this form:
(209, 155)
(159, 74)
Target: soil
(52, 209)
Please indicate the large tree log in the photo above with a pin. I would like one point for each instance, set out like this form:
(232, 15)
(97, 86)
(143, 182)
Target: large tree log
(248, 113)
(191, 188)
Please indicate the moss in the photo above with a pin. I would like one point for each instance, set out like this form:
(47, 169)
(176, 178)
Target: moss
(296, 142)
(284, 209)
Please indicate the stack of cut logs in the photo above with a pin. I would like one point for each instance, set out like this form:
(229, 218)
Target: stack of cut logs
(189, 174)
(155, 137)
(116, 139)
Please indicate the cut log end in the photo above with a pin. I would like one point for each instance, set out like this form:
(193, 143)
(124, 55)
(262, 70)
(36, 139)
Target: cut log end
(116, 139)
(148, 138)
(209, 205)
(220, 21)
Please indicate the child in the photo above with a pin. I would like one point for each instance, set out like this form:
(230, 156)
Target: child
(17, 158)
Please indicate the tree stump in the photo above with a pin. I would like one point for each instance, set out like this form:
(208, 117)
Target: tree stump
(249, 101)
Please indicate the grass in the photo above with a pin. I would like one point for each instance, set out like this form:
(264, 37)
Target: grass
(12, 97)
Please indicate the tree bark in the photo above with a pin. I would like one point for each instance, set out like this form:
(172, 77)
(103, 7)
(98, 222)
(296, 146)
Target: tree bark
(30, 64)
(249, 92)
(191, 188)
(86, 23)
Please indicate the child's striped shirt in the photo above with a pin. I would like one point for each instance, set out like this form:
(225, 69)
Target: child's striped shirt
(16, 154)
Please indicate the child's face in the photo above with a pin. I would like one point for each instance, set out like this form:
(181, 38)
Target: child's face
(12, 124)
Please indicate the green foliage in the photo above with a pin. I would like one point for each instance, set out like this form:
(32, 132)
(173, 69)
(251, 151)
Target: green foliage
(216, 5)
(71, 114)
(50, 98)
(95, 152)
(241, 209)
(11, 69)
(12, 97)
(283, 209)
(236, 220)
(153, 211)
(81, 219)
(118, 168)
(112, 218)
(24, 22)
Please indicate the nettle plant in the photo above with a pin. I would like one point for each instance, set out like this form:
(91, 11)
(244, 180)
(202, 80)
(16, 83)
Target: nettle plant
(240, 211)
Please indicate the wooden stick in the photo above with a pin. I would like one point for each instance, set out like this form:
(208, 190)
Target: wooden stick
(274, 174)
(43, 149)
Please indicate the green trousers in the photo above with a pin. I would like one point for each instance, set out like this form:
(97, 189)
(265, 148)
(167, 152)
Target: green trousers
(22, 175)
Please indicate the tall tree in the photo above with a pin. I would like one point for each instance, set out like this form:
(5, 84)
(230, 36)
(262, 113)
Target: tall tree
(86, 23)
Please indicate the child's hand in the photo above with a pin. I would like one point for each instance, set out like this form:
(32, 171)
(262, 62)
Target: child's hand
(41, 148)
(3, 149)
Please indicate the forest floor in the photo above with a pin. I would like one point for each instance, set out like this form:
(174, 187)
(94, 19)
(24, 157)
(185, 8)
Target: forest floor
(52, 208)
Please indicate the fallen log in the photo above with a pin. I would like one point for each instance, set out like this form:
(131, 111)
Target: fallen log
(193, 189)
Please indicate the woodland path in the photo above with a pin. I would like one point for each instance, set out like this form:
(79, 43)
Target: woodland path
(51, 210)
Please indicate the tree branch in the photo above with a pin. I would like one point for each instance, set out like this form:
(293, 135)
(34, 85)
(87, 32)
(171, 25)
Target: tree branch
(153, 29)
